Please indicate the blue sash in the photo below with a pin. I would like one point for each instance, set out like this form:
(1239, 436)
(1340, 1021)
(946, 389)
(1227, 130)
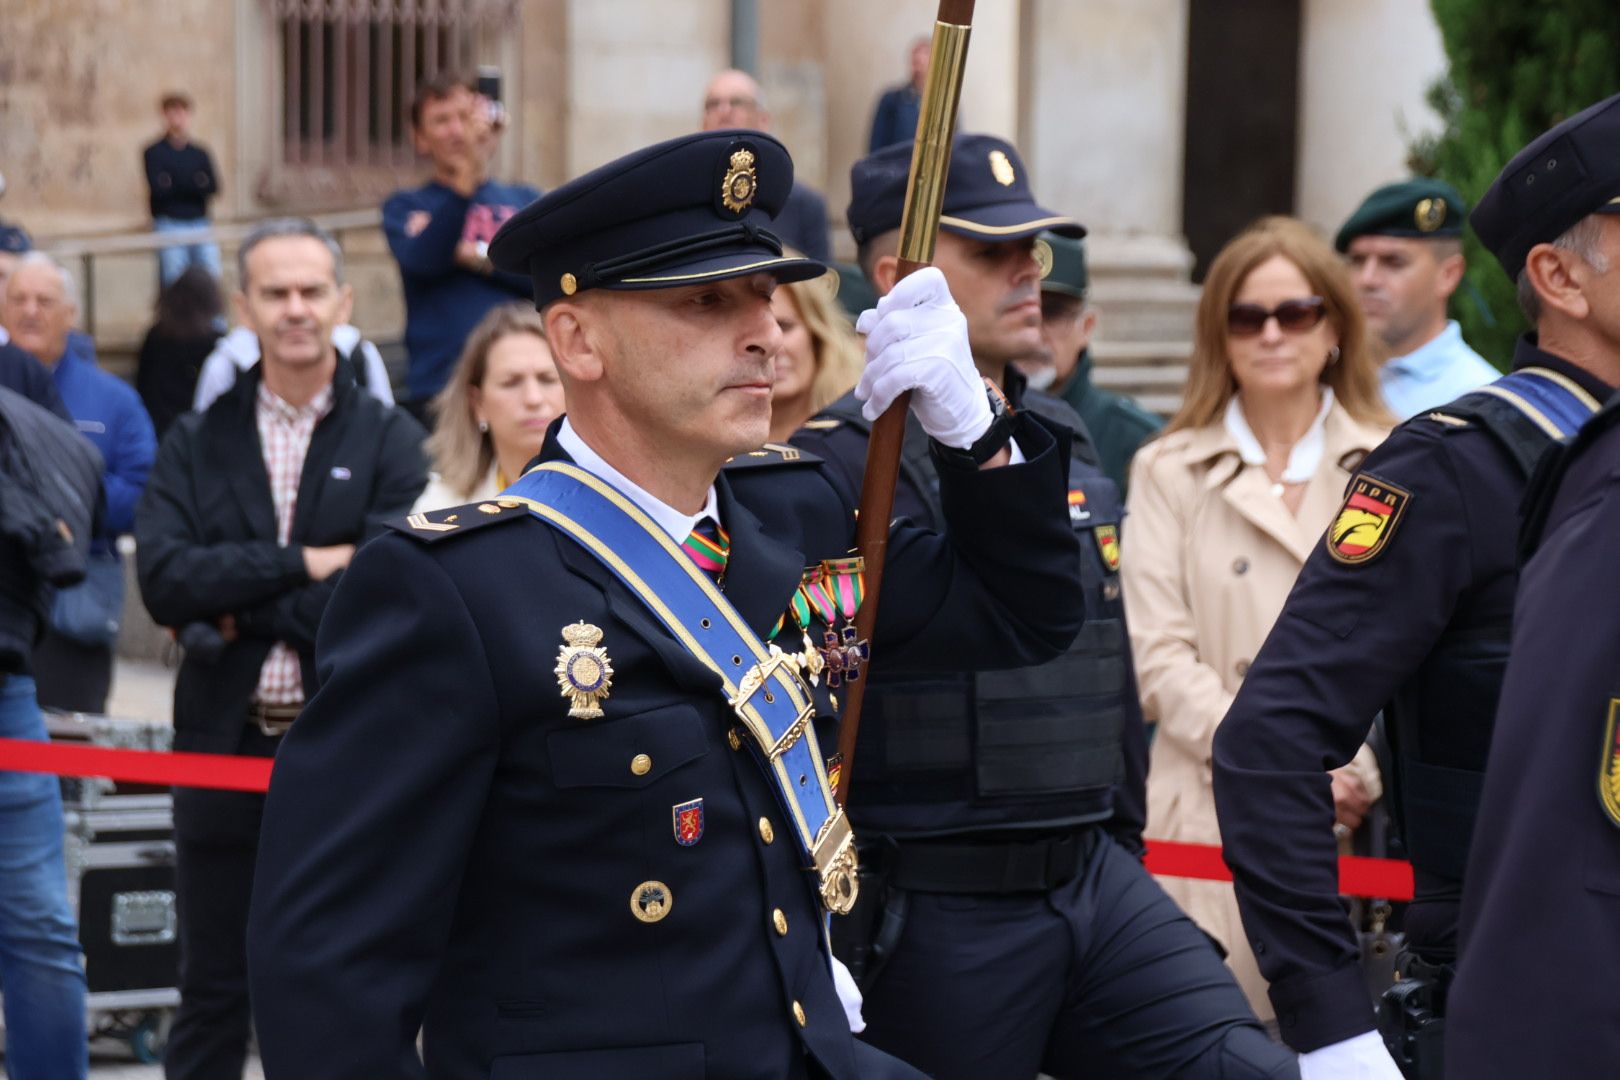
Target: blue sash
(1554, 402)
(760, 682)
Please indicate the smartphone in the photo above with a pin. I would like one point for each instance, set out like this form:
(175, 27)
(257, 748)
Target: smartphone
(489, 88)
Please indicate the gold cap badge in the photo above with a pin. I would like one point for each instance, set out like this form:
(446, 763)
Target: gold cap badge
(1002, 169)
(1043, 258)
(1429, 214)
(570, 284)
(740, 182)
(584, 671)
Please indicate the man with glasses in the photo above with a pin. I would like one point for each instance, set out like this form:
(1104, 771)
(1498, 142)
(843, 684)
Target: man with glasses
(733, 99)
(1404, 245)
(1406, 607)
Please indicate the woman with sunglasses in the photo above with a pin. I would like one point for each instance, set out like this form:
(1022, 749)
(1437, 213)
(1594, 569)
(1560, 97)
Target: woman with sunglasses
(1282, 402)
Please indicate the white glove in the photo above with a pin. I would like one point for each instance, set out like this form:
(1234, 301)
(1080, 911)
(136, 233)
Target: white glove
(916, 339)
(849, 996)
(1363, 1057)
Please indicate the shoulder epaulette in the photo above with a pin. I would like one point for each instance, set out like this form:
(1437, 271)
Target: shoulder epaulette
(772, 454)
(825, 423)
(435, 525)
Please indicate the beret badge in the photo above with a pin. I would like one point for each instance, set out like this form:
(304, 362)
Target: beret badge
(1043, 257)
(1429, 214)
(740, 182)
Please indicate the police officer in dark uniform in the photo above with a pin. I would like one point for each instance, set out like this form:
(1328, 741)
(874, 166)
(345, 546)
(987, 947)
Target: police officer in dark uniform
(1538, 989)
(554, 803)
(1406, 607)
(1010, 927)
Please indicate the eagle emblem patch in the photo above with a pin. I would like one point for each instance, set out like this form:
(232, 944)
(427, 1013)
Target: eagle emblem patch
(1367, 520)
(1609, 765)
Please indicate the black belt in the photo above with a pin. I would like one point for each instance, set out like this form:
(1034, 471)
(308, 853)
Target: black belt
(1010, 866)
(273, 719)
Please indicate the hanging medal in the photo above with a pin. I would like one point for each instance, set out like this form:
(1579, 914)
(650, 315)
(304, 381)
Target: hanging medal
(841, 587)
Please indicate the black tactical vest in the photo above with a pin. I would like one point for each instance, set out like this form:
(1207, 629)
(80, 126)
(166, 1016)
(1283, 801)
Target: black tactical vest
(1440, 722)
(1034, 747)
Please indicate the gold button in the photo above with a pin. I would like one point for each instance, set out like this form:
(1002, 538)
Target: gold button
(650, 901)
(569, 285)
(798, 1014)
(779, 921)
(766, 833)
(641, 764)
(834, 698)
(731, 737)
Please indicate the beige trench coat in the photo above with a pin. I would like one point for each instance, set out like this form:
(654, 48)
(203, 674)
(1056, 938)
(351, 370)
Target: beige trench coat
(1208, 557)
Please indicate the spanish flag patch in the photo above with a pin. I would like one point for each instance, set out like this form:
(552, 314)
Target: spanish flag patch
(1367, 520)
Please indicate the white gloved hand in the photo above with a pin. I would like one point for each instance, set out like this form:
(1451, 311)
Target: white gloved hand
(1363, 1057)
(849, 996)
(916, 339)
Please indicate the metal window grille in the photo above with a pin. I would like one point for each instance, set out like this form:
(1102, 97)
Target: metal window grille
(350, 68)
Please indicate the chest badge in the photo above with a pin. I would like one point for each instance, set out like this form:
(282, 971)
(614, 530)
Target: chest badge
(584, 671)
(688, 818)
(1108, 544)
(1609, 765)
(1367, 520)
(1077, 507)
(650, 901)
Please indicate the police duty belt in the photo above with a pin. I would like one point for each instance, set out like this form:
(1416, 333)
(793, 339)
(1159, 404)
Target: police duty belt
(760, 682)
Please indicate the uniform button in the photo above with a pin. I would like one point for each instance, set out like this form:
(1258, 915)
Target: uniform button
(779, 921)
(798, 1014)
(834, 699)
(1111, 591)
(731, 737)
(1240, 566)
(641, 764)
(766, 833)
(1241, 667)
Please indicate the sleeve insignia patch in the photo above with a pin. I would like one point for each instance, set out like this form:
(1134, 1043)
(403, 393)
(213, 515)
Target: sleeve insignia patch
(1609, 765)
(1108, 545)
(1367, 520)
(825, 424)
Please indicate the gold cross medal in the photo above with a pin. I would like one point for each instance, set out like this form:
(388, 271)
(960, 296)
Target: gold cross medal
(584, 671)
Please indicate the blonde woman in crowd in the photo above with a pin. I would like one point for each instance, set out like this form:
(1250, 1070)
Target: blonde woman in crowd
(1282, 403)
(821, 355)
(491, 417)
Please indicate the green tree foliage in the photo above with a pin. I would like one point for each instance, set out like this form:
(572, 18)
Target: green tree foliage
(1517, 67)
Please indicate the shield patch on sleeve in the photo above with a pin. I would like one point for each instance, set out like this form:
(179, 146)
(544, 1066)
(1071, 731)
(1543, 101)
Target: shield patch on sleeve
(1609, 765)
(1367, 520)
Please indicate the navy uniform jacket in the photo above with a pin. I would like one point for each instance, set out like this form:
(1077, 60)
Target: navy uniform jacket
(1538, 989)
(1350, 636)
(445, 847)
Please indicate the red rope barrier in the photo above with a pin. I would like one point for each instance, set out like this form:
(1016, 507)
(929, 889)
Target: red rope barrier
(1389, 879)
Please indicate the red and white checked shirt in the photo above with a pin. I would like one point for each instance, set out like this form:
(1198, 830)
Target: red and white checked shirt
(284, 434)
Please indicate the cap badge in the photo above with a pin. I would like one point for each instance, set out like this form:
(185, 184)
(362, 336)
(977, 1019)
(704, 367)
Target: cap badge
(1002, 169)
(569, 284)
(1430, 214)
(583, 670)
(1043, 258)
(740, 182)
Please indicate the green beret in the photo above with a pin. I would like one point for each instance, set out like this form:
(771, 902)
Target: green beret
(1421, 208)
(855, 294)
(1063, 265)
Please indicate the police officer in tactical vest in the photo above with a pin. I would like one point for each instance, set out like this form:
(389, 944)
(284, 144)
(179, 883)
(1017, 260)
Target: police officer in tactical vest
(1010, 927)
(1406, 606)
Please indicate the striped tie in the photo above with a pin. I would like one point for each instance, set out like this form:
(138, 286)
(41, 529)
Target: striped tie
(709, 546)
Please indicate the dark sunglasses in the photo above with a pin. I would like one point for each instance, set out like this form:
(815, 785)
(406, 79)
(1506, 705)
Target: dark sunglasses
(1293, 316)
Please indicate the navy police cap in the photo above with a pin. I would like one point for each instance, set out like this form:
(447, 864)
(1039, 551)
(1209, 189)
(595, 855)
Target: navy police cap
(1565, 174)
(693, 209)
(987, 193)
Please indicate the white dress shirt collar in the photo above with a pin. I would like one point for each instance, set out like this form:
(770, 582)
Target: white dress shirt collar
(674, 522)
(1303, 459)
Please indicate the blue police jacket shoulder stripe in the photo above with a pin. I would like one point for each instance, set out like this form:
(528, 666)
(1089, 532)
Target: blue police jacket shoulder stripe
(1555, 403)
(432, 526)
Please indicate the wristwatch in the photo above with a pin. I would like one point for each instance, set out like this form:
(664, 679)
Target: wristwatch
(992, 442)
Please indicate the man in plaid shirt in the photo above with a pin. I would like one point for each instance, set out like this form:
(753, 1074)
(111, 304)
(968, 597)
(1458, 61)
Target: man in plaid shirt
(253, 510)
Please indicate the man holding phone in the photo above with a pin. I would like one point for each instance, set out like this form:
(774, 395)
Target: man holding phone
(440, 232)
